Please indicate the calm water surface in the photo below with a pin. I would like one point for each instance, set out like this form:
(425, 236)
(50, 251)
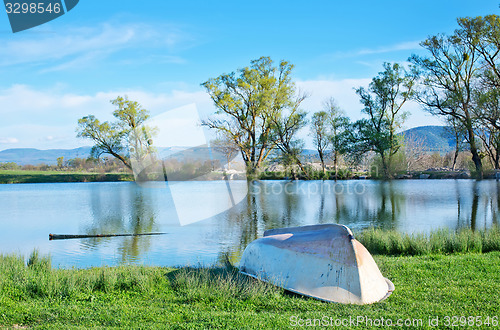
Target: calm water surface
(29, 212)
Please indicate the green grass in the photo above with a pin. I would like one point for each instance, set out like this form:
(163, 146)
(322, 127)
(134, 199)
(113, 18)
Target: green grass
(392, 242)
(20, 176)
(35, 295)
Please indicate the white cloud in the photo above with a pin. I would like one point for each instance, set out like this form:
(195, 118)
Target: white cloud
(342, 90)
(74, 47)
(158, 59)
(179, 127)
(403, 46)
(41, 136)
(79, 61)
(410, 45)
(22, 102)
(9, 140)
(48, 118)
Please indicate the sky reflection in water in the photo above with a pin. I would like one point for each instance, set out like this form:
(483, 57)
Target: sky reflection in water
(29, 212)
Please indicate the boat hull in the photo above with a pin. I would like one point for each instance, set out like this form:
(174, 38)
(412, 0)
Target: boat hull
(321, 261)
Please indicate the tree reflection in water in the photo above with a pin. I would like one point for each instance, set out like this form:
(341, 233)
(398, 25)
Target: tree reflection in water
(406, 205)
(410, 206)
(478, 204)
(127, 209)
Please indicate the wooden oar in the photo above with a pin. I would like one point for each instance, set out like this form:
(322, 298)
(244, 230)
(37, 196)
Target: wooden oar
(56, 236)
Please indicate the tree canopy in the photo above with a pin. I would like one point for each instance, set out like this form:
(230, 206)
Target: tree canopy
(461, 76)
(127, 139)
(251, 105)
(329, 131)
(383, 102)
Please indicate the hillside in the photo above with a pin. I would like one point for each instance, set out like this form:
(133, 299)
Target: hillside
(24, 156)
(434, 138)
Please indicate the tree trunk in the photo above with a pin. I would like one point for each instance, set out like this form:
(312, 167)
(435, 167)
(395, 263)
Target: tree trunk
(455, 159)
(473, 216)
(457, 150)
(475, 155)
(297, 160)
(385, 167)
(251, 170)
(497, 156)
(335, 163)
(322, 161)
(477, 163)
(142, 176)
(121, 158)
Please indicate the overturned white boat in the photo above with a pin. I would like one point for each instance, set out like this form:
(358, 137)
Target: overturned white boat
(320, 261)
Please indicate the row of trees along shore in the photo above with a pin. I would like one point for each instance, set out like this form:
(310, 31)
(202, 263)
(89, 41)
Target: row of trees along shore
(259, 110)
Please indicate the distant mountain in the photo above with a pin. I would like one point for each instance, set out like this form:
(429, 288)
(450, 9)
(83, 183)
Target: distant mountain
(24, 156)
(434, 138)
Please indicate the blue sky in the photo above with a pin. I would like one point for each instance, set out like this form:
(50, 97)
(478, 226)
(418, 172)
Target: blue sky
(158, 53)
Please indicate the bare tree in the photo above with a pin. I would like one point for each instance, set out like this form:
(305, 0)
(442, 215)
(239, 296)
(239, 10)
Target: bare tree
(490, 138)
(487, 110)
(225, 145)
(447, 84)
(320, 134)
(414, 150)
(285, 126)
(338, 124)
(458, 133)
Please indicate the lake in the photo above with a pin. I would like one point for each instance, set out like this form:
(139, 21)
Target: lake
(204, 223)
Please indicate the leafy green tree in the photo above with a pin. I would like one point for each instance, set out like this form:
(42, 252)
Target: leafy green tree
(383, 102)
(128, 138)
(249, 103)
(60, 162)
(482, 34)
(9, 166)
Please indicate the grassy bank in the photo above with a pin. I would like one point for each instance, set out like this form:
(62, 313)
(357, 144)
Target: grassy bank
(33, 294)
(28, 176)
(21, 176)
(392, 242)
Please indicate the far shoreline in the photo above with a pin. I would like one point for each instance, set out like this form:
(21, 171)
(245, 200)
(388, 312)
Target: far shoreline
(20, 177)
